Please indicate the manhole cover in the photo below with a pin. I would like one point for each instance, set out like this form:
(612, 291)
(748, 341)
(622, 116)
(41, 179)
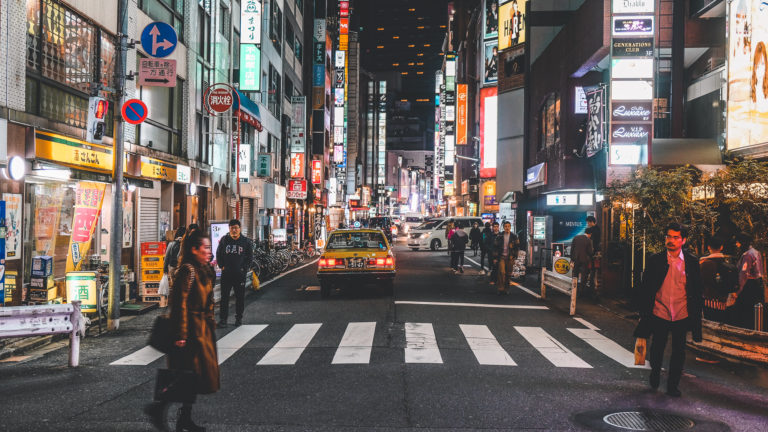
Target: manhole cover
(648, 421)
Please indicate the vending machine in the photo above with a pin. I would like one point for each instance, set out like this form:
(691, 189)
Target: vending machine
(540, 235)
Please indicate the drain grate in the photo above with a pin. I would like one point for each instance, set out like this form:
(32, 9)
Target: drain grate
(648, 421)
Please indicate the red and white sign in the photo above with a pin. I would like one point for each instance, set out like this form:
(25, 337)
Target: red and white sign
(297, 189)
(317, 171)
(157, 72)
(220, 100)
(297, 165)
(344, 9)
(343, 26)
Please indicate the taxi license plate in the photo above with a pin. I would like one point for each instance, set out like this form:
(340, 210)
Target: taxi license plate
(356, 263)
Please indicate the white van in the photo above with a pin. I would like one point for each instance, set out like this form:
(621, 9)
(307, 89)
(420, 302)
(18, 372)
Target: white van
(431, 234)
(410, 221)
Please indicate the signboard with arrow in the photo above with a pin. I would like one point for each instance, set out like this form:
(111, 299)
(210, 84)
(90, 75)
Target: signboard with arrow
(159, 39)
(157, 72)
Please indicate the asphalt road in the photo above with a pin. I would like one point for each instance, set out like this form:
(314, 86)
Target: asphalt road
(359, 361)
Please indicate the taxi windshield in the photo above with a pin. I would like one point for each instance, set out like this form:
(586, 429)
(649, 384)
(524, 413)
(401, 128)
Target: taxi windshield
(357, 240)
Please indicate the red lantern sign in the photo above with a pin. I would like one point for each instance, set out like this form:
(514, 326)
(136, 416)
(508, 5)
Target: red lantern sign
(317, 172)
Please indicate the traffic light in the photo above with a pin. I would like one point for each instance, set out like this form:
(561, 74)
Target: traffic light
(97, 113)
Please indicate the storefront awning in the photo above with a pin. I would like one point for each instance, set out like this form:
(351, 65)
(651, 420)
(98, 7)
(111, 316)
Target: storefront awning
(681, 151)
(247, 110)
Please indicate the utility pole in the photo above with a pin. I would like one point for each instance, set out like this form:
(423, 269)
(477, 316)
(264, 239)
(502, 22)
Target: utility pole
(116, 225)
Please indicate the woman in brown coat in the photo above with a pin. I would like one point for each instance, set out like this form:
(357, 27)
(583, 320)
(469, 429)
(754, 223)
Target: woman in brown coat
(192, 317)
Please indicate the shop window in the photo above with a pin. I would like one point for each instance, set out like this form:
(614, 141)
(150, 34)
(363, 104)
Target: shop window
(276, 27)
(549, 121)
(66, 54)
(168, 11)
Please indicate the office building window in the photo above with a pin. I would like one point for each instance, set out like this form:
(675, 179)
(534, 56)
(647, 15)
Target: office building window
(276, 27)
(274, 91)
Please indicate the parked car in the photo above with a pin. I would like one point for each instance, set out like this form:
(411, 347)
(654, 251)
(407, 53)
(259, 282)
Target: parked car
(431, 234)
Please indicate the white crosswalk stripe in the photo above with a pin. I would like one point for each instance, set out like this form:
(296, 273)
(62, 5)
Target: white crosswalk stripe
(235, 340)
(141, 357)
(288, 349)
(550, 348)
(356, 345)
(485, 347)
(608, 347)
(421, 344)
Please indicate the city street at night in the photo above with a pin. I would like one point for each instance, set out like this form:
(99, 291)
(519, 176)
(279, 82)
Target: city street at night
(446, 353)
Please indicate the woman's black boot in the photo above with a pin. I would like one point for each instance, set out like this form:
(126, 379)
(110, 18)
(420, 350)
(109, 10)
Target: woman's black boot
(185, 423)
(156, 412)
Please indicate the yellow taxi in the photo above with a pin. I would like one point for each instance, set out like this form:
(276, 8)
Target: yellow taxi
(356, 255)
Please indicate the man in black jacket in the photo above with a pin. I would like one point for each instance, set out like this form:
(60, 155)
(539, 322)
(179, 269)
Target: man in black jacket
(670, 300)
(506, 246)
(234, 256)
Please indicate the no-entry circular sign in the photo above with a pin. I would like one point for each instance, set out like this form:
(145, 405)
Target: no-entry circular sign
(134, 111)
(220, 100)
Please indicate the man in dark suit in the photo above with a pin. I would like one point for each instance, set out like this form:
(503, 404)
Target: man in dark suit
(581, 257)
(670, 301)
(506, 247)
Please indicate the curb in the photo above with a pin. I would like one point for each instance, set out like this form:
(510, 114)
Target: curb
(24, 344)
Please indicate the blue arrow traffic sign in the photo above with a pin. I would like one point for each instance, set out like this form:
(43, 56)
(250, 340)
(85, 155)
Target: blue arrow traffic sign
(159, 39)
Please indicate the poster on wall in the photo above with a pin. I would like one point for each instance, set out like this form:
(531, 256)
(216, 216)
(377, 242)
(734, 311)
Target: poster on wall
(218, 231)
(491, 62)
(13, 226)
(127, 220)
(747, 75)
(512, 68)
(88, 199)
(47, 218)
(491, 19)
(511, 23)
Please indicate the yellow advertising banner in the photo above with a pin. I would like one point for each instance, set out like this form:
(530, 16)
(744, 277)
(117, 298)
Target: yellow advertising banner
(511, 23)
(88, 199)
(73, 152)
(157, 169)
(461, 114)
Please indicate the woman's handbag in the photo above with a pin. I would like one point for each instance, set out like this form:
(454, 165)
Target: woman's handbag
(640, 349)
(174, 385)
(162, 338)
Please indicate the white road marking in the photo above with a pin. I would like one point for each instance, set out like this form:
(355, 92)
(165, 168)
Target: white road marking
(141, 357)
(263, 284)
(550, 348)
(587, 324)
(421, 344)
(355, 346)
(235, 340)
(485, 347)
(608, 347)
(480, 305)
(288, 349)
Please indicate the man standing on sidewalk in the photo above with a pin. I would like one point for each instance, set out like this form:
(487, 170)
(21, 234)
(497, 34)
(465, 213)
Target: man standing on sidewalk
(669, 299)
(486, 243)
(234, 256)
(493, 259)
(507, 246)
(594, 229)
(581, 257)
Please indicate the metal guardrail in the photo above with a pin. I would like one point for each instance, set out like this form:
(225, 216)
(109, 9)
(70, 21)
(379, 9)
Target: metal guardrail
(19, 321)
(564, 284)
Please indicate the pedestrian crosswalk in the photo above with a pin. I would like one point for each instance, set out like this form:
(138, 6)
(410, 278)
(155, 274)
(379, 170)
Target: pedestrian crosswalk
(421, 345)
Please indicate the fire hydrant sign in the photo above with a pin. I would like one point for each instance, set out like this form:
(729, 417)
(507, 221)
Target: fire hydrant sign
(220, 100)
(157, 72)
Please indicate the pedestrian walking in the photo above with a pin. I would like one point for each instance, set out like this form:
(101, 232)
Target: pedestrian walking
(493, 257)
(594, 228)
(486, 243)
(719, 279)
(172, 252)
(193, 322)
(581, 259)
(506, 248)
(234, 256)
(669, 300)
(751, 287)
(449, 228)
(476, 236)
(459, 241)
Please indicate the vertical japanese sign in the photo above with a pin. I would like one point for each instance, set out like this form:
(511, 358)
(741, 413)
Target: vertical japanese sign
(250, 21)
(317, 172)
(250, 67)
(264, 165)
(13, 228)
(297, 165)
(595, 121)
(244, 170)
(88, 199)
(461, 114)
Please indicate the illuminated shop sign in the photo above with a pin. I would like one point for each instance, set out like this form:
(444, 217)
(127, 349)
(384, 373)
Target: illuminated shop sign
(633, 26)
